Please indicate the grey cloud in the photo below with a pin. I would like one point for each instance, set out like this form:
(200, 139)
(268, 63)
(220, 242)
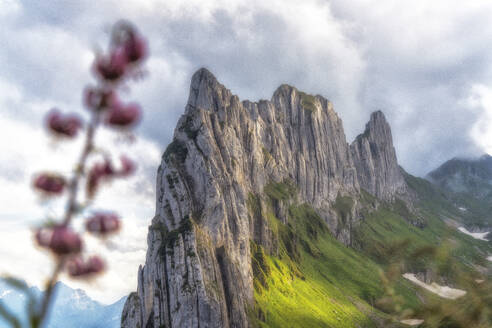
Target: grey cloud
(418, 71)
(422, 78)
(254, 58)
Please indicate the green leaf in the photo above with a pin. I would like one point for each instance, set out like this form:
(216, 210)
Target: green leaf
(31, 303)
(16, 283)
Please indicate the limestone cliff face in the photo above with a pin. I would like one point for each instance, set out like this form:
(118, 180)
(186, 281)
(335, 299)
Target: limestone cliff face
(375, 159)
(198, 266)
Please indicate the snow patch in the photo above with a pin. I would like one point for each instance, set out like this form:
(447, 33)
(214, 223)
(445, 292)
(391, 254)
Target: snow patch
(462, 209)
(443, 291)
(412, 322)
(489, 258)
(476, 235)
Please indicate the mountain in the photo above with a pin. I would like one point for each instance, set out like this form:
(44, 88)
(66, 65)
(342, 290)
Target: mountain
(266, 216)
(72, 308)
(473, 176)
(468, 183)
(378, 171)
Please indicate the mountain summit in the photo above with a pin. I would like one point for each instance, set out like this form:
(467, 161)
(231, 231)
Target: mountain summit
(375, 159)
(472, 176)
(230, 184)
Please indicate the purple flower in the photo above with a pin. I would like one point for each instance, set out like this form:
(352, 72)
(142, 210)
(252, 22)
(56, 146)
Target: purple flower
(95, 264)
(123, 115)
(127, 166)
(113, 67)
(103, 223)
(77, 268)
(60, 239)
(64, 125)
(135, 48)
(50, 184)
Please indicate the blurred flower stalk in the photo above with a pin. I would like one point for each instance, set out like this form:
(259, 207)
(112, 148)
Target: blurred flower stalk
(125, 55)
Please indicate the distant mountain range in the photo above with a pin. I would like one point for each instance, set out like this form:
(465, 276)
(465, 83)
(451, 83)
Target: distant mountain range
(472, 176)
(72, 308)
(468, 184)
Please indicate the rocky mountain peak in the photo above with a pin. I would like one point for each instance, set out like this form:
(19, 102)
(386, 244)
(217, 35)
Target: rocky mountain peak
(378, 127)
(375, 159)
(230, 165)
(205, 91)
(308, 102)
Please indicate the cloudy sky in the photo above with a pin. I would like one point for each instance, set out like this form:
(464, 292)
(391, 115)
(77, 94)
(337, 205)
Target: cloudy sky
(426, 64)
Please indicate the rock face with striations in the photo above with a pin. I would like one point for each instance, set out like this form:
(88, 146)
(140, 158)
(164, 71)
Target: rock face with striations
(198, 267)
(375, 159)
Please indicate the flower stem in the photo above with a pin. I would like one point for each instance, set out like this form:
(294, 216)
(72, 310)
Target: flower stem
(70, 210)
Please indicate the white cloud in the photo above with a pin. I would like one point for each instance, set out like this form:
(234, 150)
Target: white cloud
(422, 60)
(481, 97)
(9, 7)
(416, 61)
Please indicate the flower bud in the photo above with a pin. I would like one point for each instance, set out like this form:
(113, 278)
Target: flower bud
(105, 168)
(135, 48)
(59, 239)
(77, 268)
(113, 67)
(64, 125)
(127, 166)
(95, 264)
(103, 223)
(51, 184)
(123, 115)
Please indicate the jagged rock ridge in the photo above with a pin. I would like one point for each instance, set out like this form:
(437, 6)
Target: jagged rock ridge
(375, 159)
(198, 266)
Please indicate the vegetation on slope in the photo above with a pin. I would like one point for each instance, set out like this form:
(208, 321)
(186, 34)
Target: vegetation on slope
(439, 249)
(308, 102)
(313, 280)
(476, 212)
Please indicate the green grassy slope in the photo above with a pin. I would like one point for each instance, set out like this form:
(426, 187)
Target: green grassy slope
(478, 211)
(315, 281)
(312, 280)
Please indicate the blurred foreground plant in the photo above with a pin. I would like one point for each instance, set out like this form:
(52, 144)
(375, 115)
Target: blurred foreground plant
(472, 310)
(126, 52)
